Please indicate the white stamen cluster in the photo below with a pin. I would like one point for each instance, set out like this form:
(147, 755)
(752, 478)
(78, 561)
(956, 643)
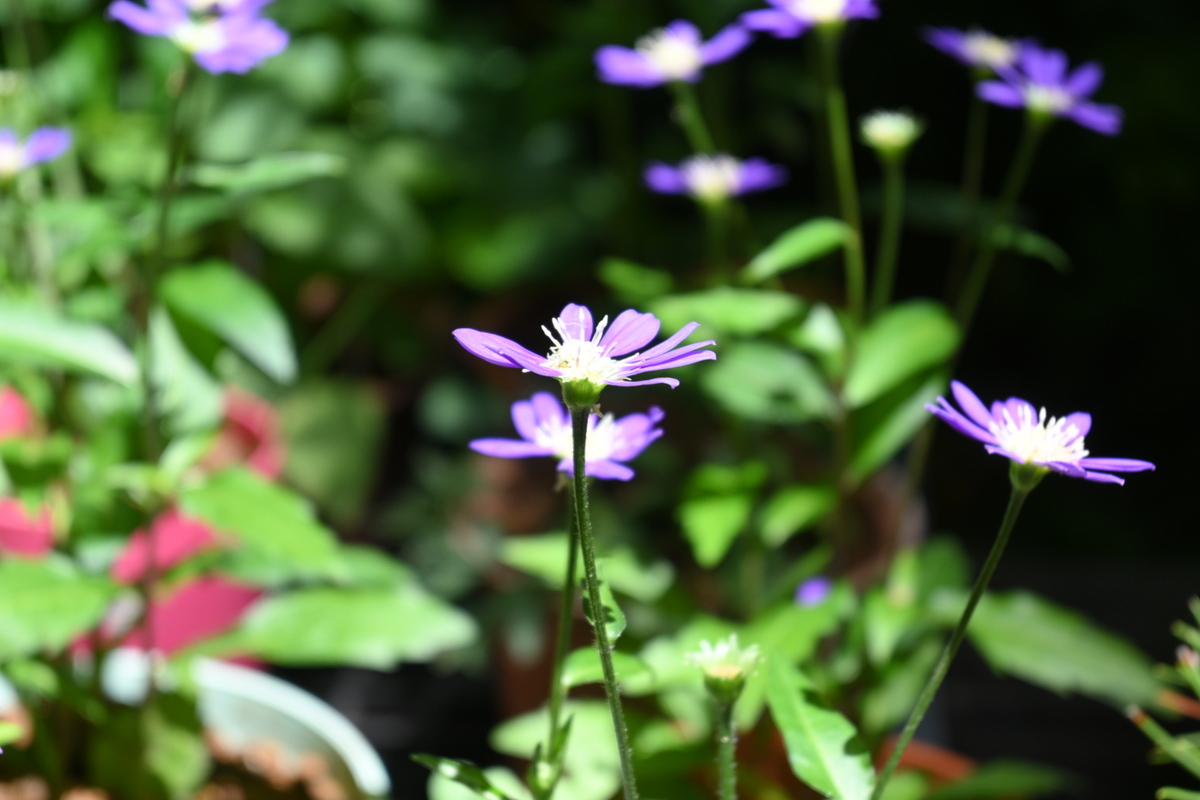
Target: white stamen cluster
(891, 131)
(985, 50)
(602, 438)
(12, 158)
(726, 660)
(712, 177)
(202, 36)
(1039, 440)
(1048, 99)
(674, 57)
(580, 360)
(819, 11)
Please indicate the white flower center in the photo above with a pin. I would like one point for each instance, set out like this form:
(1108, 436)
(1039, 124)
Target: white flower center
(819, 10)
(203, 36)
(580, 359)
(890, 130)
(1040, 440)
(673, 56)
(12, 158)
(602, 438)
(985, 50)
(1048, 99)
(712, 177)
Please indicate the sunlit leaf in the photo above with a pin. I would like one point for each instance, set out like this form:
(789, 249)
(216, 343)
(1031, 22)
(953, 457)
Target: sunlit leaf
(728, 310)
(765, 382)
(47, 603)
(35, 335)
(796, 247)
(903, 341)
(274, 171)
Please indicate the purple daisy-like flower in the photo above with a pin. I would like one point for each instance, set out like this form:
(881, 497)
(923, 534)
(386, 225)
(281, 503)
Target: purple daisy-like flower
(1017, 431)
(714, 177)
(222, 35)
(674, 53)
(813, 591)
(790, 18)
(976, 48)
(44, 144)
(545, 428)
(589, 355)
(1041, 83)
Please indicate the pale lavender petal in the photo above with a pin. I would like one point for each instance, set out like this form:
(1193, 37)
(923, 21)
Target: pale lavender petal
(813, 591)
(959, 423)
(1000, 451)
(725, 45)
(577, 322)
(756, 175)
(1085, 80)
(670, 342)
(503, 352)
(246, 41)
(1116, 464)
(1101, 118)
(625, 67)
(525, 420)
(1016, 405)
(777, 23)
(509, 448)
(1100, 477)
(668, 381)
(636, 432)
(46, 144)
(608, 470)
(1043, 65)
(629, 332)
(548, 411)
(1081, 421)
(1068, 468)
(1000, 93)
(949, 40)
(969, 402)
(143, 20)
(684, 31)
(676, 359)
(860, 9)
(8, 137)
(665, 179)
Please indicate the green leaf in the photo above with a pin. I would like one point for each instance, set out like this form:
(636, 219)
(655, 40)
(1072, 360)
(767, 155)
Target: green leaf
(462, 772)
(794, 509)
(765, 382)
(10, 732)
(188, 396)
(35, 335)
(885, 426)
(905, 340)
(583, 666)
(911, 785)
(279, 537)
(821, 744)
(711, 524)
(274, 171)
(375, 628)
(633, 283)
(796, 247)
(47, 603)
(1032, 244)
(220, 298)
(545, 557)
(613, 616)
(885, 622)
(366, 567)
(891, 698)
(729, 310)
(1005, 779)
(1025, 635)
(175, 751)
(591, 767)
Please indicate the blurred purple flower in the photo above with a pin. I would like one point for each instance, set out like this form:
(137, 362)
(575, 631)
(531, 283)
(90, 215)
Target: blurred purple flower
(813, 591)
(1041, 83)
(1015, 430)
(222, 35)
(673, 53)
(584, 355)
(976, 48)
(545, 428)
(790, 18)
(44, 144)
(714, 177)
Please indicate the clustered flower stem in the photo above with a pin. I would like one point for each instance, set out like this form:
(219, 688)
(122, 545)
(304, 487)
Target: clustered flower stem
(726, 734)
(579, 420)
(889, 233)
(977, 277)
(687, 109)
(1020, 491)
(843, 165)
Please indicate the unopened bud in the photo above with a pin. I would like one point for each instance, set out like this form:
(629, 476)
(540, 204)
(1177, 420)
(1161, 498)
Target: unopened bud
(890, 133)
(726, 666)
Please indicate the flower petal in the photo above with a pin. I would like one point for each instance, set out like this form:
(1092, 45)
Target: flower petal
(1102, 118)
(668, 381)
(1116, 464)
(960, 423)
(142, 20)
(969, 402)
(1000, 93)
(629, 332)
(757, 174)
(1085, 80)
(501, 351)
(576, 321)
(777, 23)
(510, 448)
(665, 179)
(608, 470)
(1100, 477)
(524, 417)
(725, 45)
(46, 144)
(1081, 421)
(625, 67)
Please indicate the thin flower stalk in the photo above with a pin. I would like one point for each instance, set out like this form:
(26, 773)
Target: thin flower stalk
(889, 235)
(726, 734)
(691, 118)
(974, 153)
(579, 430)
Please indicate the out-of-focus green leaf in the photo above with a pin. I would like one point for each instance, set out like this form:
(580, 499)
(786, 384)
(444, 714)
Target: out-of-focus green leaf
(711, 524)
(903, 341)
(910, 785)
(219, 297)
(464, 773)
(10, 732)
(1002, 779)
(366, 567)
(274, 171)
(793, 509)
(545, 556)
(375, 629)
(442, 788)
(886, 425)
(284, 540)
(796, 247)
(633, 283)
(334, 432)
(765, 382)
(153, 751)
(591, 768)
(583, 666)
(47, 603)
(611, 614)
(822, 335)
(728, 310)
(889, 701)
(1025, 635)
(311, 70)
(35, 335)
(822, 746)
(188, 396)
(1032, 244)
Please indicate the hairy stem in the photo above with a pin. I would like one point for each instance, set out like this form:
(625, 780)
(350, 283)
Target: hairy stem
(726, 733)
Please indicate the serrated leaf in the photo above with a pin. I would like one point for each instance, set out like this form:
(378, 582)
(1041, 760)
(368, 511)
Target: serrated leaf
(47, 603)
(794, 509)
(822, 746)
(905, 340)
(796, 247)
(222, 299)
(35, 335)
(583, 666)
(729, 310)
(274, 171)
(765, 382)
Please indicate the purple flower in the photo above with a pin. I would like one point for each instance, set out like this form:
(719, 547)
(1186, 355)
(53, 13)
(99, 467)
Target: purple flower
(1041, 83)
(1015, 430)
(44, 144)
(222, 35)
(790, 18)
(813, 591)
(976, 48)
(714, 177)
(673, 53)
(581, 355)
(545, 428)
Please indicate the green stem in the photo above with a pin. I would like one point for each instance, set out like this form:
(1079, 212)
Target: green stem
(1018, 173)
(828, 37)
(562, 643)
(716, 217)
(687, 109)
(1015, 501)
(579, 422)
(889, 233)
(726, 751)
(972, 184)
